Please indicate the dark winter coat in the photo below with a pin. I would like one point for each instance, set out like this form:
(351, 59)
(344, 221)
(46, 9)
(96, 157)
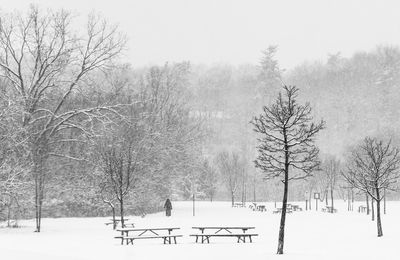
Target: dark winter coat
(168, 205)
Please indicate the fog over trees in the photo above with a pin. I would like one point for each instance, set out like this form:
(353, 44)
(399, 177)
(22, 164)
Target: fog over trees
(84, 134)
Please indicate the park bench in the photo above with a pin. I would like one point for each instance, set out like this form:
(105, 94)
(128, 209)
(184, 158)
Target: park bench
(151, 233)
(241, 237)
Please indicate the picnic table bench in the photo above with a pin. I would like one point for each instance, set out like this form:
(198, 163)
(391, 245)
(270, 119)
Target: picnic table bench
(241, 237)
(154, 233)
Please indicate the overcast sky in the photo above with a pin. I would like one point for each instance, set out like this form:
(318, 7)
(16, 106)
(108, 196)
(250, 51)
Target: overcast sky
(235, 31)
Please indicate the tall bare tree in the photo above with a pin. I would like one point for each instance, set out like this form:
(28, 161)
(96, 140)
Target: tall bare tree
(231, 168)
(209, 179)
(46, 63)
(374, 166)
(331, 172)
(286, 142)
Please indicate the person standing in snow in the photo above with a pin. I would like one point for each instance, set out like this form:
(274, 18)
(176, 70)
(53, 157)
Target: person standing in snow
(168, 208)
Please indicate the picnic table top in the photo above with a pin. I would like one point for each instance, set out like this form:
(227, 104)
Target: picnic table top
(223, 227)
(144, 229)
(119, 219)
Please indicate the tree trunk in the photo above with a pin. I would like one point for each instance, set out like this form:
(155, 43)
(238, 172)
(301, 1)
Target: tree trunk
(352, 199)
(113, 217)
(9, 214)
(38, 202)
(332, 200)
(326, 198)
(121, 208)
(373, 210)
(384, 201)
(348, 200)
(232, 198)
(39, 190)
(378, 213)
(283, 217)
(367, 201)
(254, 190)
(281, 238)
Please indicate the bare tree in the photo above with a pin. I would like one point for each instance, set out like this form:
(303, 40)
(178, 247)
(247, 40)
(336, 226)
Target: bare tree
(123, 153)
(209, 179)
(231, 168)
(286, 141)
(107, 196)
(373, 167)
(331, 170)
(46, 63)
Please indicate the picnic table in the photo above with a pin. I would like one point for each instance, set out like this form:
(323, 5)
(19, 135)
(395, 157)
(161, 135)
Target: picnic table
(253, 206)
(261, 208)
(238, 204)
(296, 208)
(150, 233)
(257, 207)
(227, 232)
(329, 209)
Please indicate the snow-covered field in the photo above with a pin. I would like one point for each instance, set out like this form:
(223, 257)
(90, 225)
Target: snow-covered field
(309, 235)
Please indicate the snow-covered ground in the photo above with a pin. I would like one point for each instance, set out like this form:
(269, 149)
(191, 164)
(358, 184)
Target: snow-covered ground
(309, 235)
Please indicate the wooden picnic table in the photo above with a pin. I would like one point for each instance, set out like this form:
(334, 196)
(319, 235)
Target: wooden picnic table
(227, 229)
(153, 233)
(329, 209)
(238, 204)
(296, 208)
(253, 206)
(257, 207)
(228, 233)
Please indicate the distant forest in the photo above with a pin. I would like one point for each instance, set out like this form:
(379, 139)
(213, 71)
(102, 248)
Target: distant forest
(83, 134)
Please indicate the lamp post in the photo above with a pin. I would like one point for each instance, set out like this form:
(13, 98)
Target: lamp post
(316, 197)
